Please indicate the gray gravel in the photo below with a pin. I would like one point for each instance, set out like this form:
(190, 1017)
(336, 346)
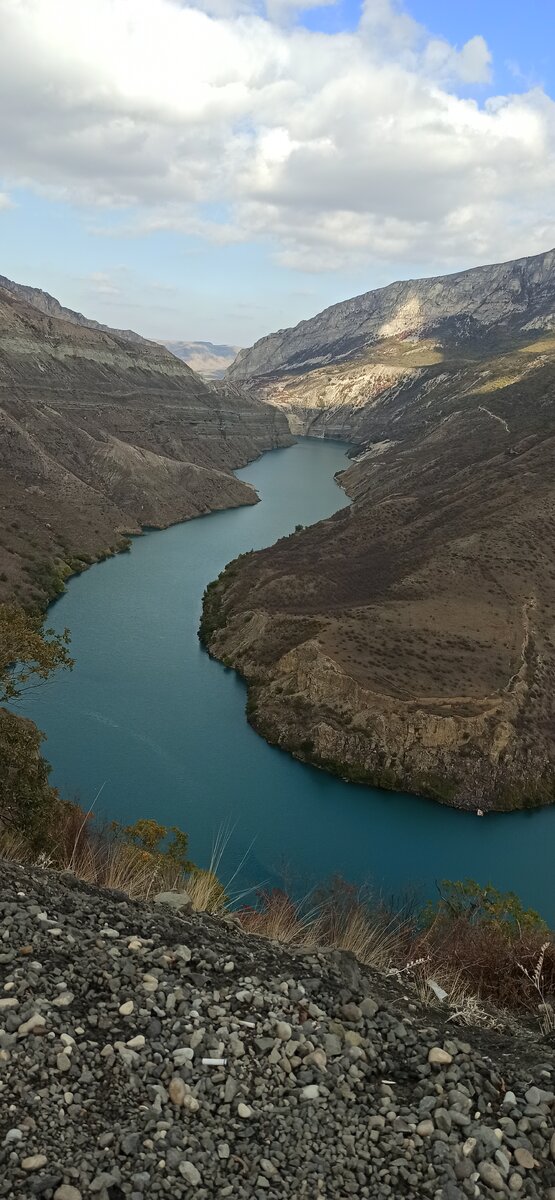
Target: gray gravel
(335, 1083)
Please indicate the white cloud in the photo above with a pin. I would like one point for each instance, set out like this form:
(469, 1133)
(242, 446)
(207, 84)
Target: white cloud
(229, 122)
(102, 284)
(5, 201)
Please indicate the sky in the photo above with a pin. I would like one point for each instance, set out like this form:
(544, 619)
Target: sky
(218, 170)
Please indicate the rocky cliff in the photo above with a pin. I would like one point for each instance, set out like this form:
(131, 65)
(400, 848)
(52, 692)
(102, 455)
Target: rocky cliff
(408, 641)
(102, 433)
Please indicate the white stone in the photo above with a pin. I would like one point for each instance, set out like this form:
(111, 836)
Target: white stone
(439, 1057)
(244, 1111)
(34, 1022)
(136, 1043)
(34, 1162)
(283, 1031)
(177, 1090)
(184, 1054)
(126, 1009)
(190, 1173)
(64, 1000)
(311, 1091)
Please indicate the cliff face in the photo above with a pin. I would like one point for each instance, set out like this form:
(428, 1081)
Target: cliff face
(408, 641)
(102, 433)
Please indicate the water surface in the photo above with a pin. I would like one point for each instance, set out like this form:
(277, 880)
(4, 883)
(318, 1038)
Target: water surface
(150, 721)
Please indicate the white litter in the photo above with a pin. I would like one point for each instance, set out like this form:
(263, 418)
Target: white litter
(436, 989)
(214, 1062)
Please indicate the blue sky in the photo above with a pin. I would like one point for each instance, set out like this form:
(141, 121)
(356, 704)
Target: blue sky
(219, 171)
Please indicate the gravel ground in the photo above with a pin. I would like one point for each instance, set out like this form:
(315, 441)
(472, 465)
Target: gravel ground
(335, 1083)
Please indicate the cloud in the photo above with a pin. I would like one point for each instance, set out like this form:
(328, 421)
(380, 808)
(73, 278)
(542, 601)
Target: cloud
(5, 202)
(102, 284)
(231, 122)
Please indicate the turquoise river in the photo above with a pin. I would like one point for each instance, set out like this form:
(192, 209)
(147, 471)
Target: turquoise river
(149, 725)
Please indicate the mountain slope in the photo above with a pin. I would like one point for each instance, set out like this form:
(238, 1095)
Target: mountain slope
(101, 434)
(409, 641)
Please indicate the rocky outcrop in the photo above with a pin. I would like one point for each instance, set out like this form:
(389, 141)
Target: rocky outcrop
(145, 1053)
(102, 434)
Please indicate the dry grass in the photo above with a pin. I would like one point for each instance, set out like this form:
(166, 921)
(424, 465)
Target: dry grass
(486, 968)
(97, 856)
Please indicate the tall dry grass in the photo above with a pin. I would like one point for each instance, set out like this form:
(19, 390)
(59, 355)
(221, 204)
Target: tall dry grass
(483, 966)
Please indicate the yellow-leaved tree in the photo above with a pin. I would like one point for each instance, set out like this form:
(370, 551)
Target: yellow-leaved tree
(28, 655)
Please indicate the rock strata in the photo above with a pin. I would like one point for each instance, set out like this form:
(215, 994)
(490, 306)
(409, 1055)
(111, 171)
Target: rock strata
(382, 1115)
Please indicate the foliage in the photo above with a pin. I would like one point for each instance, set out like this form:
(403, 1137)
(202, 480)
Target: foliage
(27, 800)
(477, 905)
(158, 842)
(27, 651)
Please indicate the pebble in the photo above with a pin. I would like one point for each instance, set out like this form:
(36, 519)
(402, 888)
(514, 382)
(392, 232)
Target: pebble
(491, 1176)
(524, 1158)
(34, 1162)
(67, 1192)
(244, 1111)
(283, 1031)
(126, 1009)
(177, 1090)
(190, 1173)
(439, 1057)
(64, 1000)
(35, 1022)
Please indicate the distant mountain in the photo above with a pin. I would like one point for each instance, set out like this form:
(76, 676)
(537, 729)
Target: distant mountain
(206, 358)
